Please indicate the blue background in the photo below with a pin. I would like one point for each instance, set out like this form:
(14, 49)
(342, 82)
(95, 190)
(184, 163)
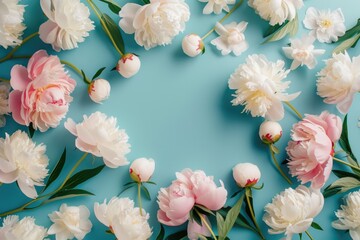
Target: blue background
(177, 111)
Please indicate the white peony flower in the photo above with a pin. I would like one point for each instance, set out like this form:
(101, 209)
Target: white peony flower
(13, 229)
(128, 65)
(259, 87)
(99, 135)
(339, 81)
(231, 39)
(11, 23)
(216, 6)
(156, 23)
(325, 25)
(270, 132)
(349, 216)
(293, 210)
(99, 90)
(303, 52)
(192, 45)
(68, 23)
(276, 11)
(142, 169)
(23, 161)
(4, 102)
(123, 219)
(70, 222)
(246, 174)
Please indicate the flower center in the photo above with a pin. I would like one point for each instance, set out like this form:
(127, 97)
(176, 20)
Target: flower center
(326, 23)
(301, 55)
(234, 37)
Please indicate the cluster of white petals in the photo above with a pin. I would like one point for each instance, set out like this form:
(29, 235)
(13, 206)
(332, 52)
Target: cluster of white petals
(100, 136)
(349, 216)
(339, 81)
(293, 210)
(325, 25)
(4, 102)
(23, 161)
(70, 222)
(156, 23)
(13, 229)
(276, 11)
(259, 87)
(216, 6)
(11, 22)
(123, 219)
(231, 38)
(68, 23)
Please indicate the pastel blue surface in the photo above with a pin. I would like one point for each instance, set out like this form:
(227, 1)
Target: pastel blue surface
(177, 111)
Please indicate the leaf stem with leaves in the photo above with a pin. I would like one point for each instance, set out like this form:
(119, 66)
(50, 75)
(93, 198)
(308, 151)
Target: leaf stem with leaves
(203, 221)
(247, 197)
(346, 163)
(77, 70)
(224, 18)
(272, 153)
(11, 53)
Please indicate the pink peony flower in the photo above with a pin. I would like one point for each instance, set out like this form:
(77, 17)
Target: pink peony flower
(190, 188)
(312, 148)
(41, 94)
(195, 231)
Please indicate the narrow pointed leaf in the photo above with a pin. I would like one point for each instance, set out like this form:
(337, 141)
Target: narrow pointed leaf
(344, 140)
(113, 6)
(125, 188)
(112, 29)
(220, 225)
(273, 29)
(346, 44)
(231, 217)
(150, 182)
(316, 226)
(177, 235)
(351, 32)
(57, 170)
(341, 174)
(289, 28)
(31, 130)
(82, 176)
(341, 185)
(129, 184)
(69, 193)
(161, 234)
(204, 210)
(146, 191)
(98, 73)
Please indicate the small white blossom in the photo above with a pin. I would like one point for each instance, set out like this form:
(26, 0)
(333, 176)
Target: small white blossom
(339, 81)
(100, 136)
(99, 90)
(13, 229)
(192, 45)
(142, 169)
(156, 23)
(259, 87)
(68, 23)
(23, 161)
(349, 216)
(303, 52)
(325, 25)
(70, 222)
(293, 210)
(128, 65)
(123, 219)
(246, 174)
(216, 6)
(276, 11)
(11, 23)
(4, 102)
(231, 39)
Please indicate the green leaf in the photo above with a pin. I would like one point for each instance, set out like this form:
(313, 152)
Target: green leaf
(341, 185)
(150, 182)
(331, 191)
(177, 236)
(57, 170)
(231, 217)
(341, 174)
(203, 210)
(69, 193)
(300, 236)
(273, 29)
(126, 188)
(113, 6)
(82, 176)
(129, 183)
(31, 130)
(351, 32)
(290, 28)
(316, 226)
(241, 221)
(146, 1)
(84, 77)
(195, 216)
(113, 31)
(344, 140)
(146, 191)
(248, 193)
(274, 149)
(220, 225)
(236, 193)
(161, 234)
(346, 44)
(98, 72)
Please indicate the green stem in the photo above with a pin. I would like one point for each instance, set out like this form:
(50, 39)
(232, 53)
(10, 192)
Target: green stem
(346, 163)
(139, 197)
(307, 233)
(4, 80)
(11, 53)
(252, 213)
(203, 220)
(278, 166)
(98, 14)
(76, 69)
(224, 18)
(23, 207)
(294, 109)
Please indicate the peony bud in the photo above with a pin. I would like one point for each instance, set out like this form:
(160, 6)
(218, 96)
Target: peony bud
(246, 174)
(142, 169)
(99, 90)
(270, 132)
(128, 65)
(193, 45)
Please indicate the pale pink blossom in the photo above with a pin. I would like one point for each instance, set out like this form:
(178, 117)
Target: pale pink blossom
(41, 94)
(312, 148)
(195, 231)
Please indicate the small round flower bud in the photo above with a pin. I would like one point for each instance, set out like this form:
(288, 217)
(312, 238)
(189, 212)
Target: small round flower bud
(99, 90)
(142, 169)
(246, 174)
(128, 65)
(192, 45)
(270, 132)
